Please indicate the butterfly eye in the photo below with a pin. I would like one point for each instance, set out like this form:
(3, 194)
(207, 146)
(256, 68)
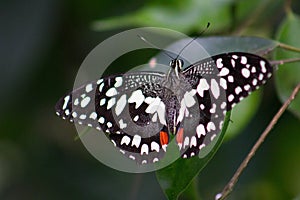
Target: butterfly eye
(172, 63)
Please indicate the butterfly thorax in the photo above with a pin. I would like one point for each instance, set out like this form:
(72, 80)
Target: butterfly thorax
(176, 65)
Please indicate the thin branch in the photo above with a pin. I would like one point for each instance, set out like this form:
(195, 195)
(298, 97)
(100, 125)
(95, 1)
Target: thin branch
(288, 47)
(281, 62)
(229, 187)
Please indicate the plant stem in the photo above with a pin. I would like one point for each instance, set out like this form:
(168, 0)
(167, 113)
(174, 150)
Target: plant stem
(281, 62)
(229, 187)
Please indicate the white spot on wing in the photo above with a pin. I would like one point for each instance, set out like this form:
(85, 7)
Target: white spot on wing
(144, 162)
(154, 146)
(245, 72)
(82, 116)
(215, 88)
(219, 63)
(136, 97)
(93, 115)
(189, 99)
(125, 140)
(230, 98)
(101, 87)
(213, 109)
(263, 66)
(101, 120)
(136, 118)
(109, 124)
(254, 82)
(85, 102)
(193, 142)
(224, 71)
(223, 83)
(200, 130)
(74, 114)
(102, 101)
(232, 63)
(230, 79)
(211, 126)
(121, 103)
(88, 88)
(244, 60)
(122, 124)
(186, 142)
(132, 157)
(119, 81)
(247, 87)
(110, 103)
(66, 100)
(111, 92)
(99, 81)
(158, 107)
(144, 149)
(203, 85)
(238, 90)
(67, 111)
(235, 57)
(201, 146)
(76, 102)
(223, 105)
(136, 141)
(202, 106)
(213, 137)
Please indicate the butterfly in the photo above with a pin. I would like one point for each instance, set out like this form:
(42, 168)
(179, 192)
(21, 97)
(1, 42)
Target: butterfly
(140, 111)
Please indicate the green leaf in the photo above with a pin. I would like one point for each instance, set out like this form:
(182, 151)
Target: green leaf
(242, 113)
(175, 178)
(185, 17)
(288, 75)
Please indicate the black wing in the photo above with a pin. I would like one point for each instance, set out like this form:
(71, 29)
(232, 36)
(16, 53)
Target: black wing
(130, 109)
(220, 82)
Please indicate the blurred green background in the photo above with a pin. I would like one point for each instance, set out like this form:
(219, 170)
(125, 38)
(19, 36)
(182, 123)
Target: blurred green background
(42, 44)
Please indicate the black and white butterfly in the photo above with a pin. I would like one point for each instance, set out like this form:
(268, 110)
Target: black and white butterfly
(139, 111)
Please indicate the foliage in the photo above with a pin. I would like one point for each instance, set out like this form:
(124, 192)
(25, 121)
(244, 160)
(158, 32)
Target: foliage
(43, 45)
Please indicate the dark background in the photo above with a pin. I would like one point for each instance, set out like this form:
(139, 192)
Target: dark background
(42, 44)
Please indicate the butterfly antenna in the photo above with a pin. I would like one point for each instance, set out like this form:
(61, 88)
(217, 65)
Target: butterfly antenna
(207, 26)
(164, 51)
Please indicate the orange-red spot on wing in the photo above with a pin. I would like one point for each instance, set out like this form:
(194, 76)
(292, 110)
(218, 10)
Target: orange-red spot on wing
(164, 138)
(179, 136)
